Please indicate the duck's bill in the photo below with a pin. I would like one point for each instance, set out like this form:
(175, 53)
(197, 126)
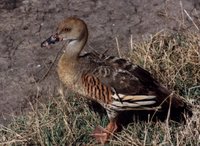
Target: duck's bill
(51, 40)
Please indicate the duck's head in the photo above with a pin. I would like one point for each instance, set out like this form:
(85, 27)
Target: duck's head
(70, 30)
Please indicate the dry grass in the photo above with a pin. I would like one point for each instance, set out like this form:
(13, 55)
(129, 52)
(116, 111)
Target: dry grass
(173, 59)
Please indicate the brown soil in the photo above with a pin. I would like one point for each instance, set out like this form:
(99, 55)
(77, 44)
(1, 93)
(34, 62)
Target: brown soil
(24, 24)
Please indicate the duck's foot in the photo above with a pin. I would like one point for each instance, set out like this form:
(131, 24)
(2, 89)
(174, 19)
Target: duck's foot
(102, 135)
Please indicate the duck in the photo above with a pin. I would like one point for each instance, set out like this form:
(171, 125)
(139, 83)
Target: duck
(115, 83)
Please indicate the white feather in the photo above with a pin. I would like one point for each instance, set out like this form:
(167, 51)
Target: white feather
(133, 97)
(146, 102)
(127, 104)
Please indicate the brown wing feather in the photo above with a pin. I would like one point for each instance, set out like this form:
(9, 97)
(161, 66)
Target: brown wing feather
(164, 96)
(129, 79)
(120, 79)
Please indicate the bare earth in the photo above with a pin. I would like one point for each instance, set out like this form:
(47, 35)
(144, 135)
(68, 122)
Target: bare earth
(24, 24)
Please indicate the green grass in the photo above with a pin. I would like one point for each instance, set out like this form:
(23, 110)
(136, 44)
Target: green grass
(174, 59)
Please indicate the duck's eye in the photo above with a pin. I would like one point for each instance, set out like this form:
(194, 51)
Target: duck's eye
(67, 29)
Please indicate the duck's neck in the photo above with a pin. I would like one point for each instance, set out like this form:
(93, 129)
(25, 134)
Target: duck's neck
(70, 57)
(67, 66)
(73, 49)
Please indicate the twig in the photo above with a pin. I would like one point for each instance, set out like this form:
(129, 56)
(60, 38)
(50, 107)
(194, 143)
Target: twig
(45, 75)
(131, 41)
(191, 19)
(168, 116)
(145, 136)
(169, 109)
(119, 54)
(182, 15)
(160, 105)
(102, 54)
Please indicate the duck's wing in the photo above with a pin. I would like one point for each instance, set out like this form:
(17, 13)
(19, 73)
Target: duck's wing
(119, 84)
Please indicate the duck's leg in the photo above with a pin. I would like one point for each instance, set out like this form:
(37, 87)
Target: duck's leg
(103, 134)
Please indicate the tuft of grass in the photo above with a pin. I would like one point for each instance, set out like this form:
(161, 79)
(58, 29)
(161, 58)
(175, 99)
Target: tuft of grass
(174, 59)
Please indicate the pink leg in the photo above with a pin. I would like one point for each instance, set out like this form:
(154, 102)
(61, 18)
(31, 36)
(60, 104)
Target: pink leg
(102, 135)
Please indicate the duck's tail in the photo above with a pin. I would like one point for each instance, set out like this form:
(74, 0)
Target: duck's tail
(178, 107)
